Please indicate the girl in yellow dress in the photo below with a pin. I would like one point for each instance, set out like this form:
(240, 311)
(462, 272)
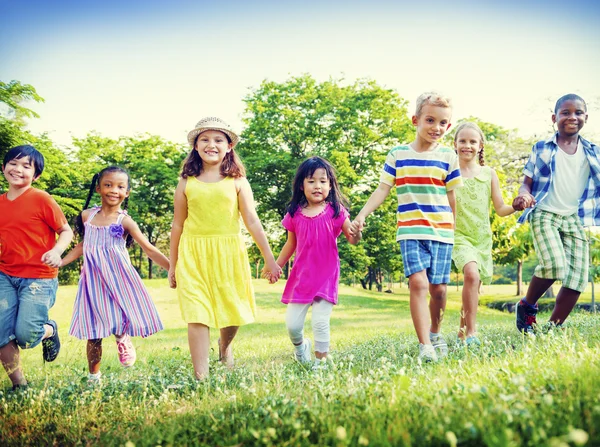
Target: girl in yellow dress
(209, 262)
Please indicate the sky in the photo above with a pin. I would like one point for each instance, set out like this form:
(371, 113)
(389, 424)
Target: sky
(132, 67)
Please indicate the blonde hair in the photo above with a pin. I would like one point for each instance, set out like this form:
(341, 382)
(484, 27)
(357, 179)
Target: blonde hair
(476, 128)
(432, 99)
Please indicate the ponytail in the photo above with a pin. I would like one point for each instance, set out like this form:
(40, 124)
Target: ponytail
(79, 227)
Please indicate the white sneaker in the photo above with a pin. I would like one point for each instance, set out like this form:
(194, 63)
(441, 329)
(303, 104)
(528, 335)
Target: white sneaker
(322, 364)
(305, 356)
(427, 353)
(439, 344)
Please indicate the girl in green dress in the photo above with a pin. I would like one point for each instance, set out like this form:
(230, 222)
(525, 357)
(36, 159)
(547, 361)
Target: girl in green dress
(472, 253)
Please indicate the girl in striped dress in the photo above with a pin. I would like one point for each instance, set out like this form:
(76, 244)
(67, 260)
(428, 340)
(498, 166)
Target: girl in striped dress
(111, 298)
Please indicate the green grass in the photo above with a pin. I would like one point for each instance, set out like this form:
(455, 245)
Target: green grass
(510, 391)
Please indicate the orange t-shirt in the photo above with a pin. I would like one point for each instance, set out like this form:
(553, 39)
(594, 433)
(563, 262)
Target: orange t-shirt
(28, 227)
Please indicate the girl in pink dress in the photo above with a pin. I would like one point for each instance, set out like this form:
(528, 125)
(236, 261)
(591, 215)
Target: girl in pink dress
(316, 216)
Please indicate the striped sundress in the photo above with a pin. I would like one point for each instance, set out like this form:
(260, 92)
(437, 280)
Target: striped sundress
(111, 298)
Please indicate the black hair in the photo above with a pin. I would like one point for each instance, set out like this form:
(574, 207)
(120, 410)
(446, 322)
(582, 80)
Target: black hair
(26, 150)
(306, 169)
(79, 226)
(569, 97)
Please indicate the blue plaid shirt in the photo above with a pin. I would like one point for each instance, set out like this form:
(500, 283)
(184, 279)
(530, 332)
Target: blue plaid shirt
(540, 167)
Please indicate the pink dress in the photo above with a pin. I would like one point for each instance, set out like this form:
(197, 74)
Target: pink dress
(316, 268)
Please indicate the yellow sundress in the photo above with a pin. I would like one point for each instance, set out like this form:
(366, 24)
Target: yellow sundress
(213, 273)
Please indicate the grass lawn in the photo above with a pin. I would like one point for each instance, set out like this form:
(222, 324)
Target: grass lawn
(513, 390)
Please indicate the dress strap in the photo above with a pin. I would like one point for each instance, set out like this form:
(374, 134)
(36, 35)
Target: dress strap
(95, 210)
(122, 215)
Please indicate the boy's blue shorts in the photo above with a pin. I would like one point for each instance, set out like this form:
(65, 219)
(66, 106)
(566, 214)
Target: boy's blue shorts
(433, 256)
(24, 306)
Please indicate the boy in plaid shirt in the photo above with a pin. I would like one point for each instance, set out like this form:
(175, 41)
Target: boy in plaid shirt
(560, 195)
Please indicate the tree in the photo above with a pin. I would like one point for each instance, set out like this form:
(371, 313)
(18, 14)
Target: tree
(352, 125)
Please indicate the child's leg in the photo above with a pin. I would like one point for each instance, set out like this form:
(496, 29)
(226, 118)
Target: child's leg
(94, 355)
(199, 341)
(470, 299)
(437, 305)
(321, 316)
(577, 270)
(227, 336)
(294, 320)
(418, 286)
(11, 361)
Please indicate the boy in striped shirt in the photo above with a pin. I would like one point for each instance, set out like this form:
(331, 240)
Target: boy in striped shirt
(425, 175)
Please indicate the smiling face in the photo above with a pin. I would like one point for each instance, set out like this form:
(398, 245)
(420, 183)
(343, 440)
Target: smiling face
(113, 188)
(570, 117)
(316, 188)
(432, 123)
(212, 146)
(19, 172)
(468, 144)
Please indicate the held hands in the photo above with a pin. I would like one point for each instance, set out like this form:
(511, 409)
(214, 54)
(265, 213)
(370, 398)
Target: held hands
(523, 201)
(52, 258)
(172, 280)
(357, 226)
(271, 271)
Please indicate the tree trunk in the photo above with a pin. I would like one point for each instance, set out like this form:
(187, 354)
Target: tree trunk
(150, 263)
(379, 280)
(519, 277)
(549, 293)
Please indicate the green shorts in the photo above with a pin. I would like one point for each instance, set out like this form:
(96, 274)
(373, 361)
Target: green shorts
(561, 247)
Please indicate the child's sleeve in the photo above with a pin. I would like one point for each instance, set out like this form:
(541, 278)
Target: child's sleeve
(388, 173)
(339, 221)
(453, 179)
(288, 223)
(52, 214)
(530, 165)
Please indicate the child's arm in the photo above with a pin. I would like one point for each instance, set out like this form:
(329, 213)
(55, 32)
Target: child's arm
(502, 209)
(153, 253)
(452, 201)
(254, 227)
(288, 249)
(376, 199)
(75, 253)
(179, 216)
(524, 199)
(353, 238)
(52, 257)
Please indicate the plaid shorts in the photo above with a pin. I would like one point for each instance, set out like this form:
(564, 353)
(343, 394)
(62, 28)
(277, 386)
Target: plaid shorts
(561, 247)
(433, 256)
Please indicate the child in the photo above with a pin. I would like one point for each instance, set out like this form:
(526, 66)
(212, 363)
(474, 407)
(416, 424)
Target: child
(111, 298)
(209, 262)
(30, 253)
(316, 216)
(562, 180)
(426, 175)
(472, 252)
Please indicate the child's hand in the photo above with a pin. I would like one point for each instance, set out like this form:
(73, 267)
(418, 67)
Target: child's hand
(272, 271)
(357, 226)
(172, 280)
(52, 258)
(523, 201)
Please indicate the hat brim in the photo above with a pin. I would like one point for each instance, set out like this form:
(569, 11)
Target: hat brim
(195, 132)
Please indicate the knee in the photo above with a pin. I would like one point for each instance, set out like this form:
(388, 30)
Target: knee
(471, 277)
(321, 326)
(27, 336)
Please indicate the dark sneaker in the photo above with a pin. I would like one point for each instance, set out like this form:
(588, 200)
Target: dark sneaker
(51, 345)
(526, 316)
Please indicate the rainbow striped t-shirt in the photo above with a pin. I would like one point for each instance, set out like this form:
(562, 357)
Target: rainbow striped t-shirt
(422, 181)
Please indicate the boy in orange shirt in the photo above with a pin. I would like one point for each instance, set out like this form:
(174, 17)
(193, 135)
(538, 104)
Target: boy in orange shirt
(30, 253)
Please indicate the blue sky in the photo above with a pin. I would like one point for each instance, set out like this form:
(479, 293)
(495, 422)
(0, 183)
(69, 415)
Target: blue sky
(128, 67)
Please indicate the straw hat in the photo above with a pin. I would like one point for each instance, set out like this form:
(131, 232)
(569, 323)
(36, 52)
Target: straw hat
(212, 123)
